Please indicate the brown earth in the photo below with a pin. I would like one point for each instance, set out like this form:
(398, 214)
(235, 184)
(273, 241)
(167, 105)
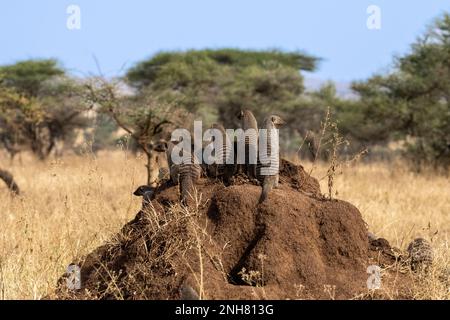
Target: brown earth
(296, 245)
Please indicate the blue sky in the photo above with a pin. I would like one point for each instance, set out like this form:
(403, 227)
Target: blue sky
(120, 33)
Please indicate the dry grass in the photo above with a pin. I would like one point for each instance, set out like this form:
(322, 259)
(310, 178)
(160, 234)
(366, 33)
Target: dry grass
(71, 206)
(399, 205)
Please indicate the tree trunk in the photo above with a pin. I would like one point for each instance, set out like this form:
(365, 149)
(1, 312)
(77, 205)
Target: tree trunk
(152, 168)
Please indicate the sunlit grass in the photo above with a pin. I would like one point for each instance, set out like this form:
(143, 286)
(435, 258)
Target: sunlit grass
(70, 206)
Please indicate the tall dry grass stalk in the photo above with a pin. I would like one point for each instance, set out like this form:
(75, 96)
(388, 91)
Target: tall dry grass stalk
(400, 205)
(67, 208)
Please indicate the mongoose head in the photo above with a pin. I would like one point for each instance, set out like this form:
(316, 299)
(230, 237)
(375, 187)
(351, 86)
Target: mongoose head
(240, 114)
(243, 113)
(218, 126)
(161, 146)
(277, 121)
(143, 190)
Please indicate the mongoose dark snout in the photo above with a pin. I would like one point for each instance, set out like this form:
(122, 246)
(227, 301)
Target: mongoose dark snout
(142, 190)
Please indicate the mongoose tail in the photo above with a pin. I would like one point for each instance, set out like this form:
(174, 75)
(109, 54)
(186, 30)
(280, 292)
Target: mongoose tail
(189, 173)
(186, 189)
(268, 184)
(270, 177)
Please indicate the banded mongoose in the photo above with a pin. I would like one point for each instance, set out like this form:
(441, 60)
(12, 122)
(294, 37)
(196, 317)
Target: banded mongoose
(420, 253)
(223, 169)
(147, 193)
(186, 173)
(189, 172)
(268, 173)
(248, 122)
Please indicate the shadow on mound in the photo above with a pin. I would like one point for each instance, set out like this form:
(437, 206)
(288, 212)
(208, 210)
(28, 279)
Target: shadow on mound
(295, 245)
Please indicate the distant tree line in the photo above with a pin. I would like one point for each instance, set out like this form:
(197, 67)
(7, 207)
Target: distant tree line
(41, 105)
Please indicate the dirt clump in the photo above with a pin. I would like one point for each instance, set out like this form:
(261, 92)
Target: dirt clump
(295, 245)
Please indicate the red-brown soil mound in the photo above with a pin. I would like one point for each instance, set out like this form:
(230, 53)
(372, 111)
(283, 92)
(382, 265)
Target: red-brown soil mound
(297, 244)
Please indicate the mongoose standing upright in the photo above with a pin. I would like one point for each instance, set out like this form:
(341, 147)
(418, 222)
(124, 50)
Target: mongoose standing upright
(223, 169)
(268, 169)
(185, 174)
(189, 172)
(248, 122)
(421, 253)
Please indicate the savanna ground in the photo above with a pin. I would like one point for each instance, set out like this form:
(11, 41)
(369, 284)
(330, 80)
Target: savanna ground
(72, 205)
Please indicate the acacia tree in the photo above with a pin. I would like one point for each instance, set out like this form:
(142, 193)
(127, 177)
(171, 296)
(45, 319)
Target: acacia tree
(215, 84)
(39, 105)
(10, 138)
(413, 101)
(145, 117)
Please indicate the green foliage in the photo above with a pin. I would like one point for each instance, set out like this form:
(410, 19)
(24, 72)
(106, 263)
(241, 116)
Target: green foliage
(144, 117)
(272, 89)
(163, 64)
(105, 127)
(413, 102)
(38, 106)
(27, 77)
(215, 84)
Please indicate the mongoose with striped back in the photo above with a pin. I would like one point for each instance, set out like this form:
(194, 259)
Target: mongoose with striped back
(185, 174)
(248, 122)
(420, 253)
(223, 169)
(268, 171)
(189, 173)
